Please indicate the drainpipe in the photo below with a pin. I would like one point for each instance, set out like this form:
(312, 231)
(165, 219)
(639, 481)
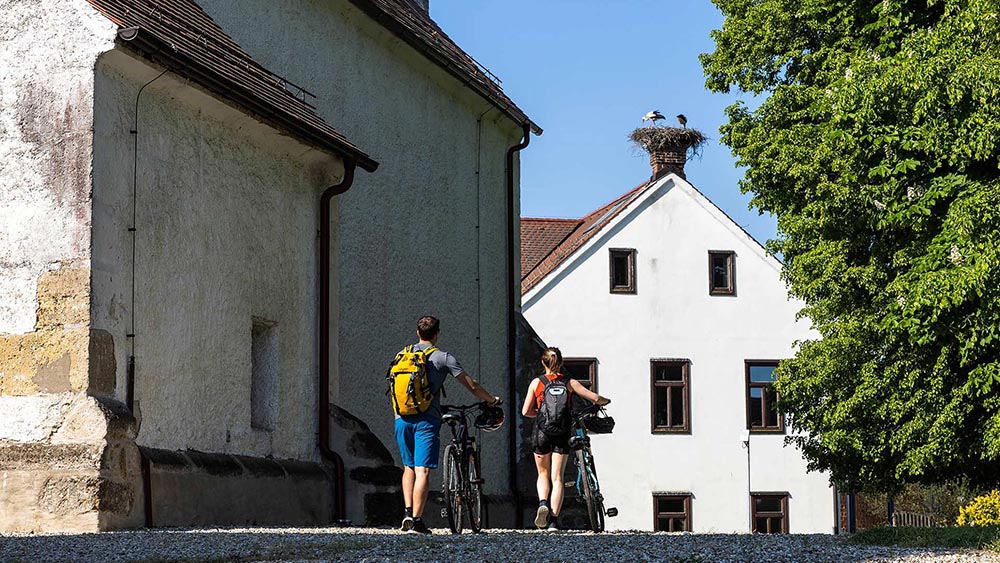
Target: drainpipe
(339, 513)
(513, 284)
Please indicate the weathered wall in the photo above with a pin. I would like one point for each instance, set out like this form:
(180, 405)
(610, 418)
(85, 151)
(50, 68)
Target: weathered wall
(407, 239)
(67, 459)
(45, 144)
(672, 315)
(226, 233)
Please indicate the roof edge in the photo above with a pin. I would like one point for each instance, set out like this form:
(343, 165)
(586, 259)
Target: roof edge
(382, 18)
(155, 49)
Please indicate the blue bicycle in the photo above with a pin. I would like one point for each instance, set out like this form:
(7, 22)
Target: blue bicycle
(592, 419)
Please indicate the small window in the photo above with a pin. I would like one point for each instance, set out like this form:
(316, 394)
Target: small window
(721, 272)
(671, 413)
(672, 512)
(583, 370)
(769, 512)
(762, 399)
(264, 374)
(622, 270)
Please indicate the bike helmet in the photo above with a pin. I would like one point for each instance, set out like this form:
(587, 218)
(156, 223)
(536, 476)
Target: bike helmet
(490, 419)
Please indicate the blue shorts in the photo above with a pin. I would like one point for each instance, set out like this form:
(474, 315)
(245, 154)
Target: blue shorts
(419, 440)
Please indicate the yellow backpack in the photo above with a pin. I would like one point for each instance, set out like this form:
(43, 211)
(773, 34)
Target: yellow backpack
(409, 385)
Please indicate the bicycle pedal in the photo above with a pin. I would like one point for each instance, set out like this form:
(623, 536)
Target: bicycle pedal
(569, 484)
(444, 513)
(611, 512)
(477, 481)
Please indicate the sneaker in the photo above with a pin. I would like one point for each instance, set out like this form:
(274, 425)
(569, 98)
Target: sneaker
(419, 527)
(553, 524)
(542, 516)
(407, 524)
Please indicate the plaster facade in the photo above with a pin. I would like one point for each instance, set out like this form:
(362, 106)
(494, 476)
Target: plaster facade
(672, 315)
(423, 235)
(226, 218)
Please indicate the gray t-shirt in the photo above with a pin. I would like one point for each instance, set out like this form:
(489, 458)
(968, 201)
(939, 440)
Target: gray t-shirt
(439, 366)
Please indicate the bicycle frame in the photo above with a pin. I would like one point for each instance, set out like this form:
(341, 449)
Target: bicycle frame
(462, 462)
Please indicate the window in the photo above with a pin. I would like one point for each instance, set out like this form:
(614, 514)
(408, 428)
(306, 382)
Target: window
(769, 512)
(670, 410)
(672, 512)
(264, 374)
(622, 270)
(721, 272)
(583, 370)
(762, 399)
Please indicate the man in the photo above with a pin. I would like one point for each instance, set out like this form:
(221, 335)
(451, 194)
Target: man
(418, 435)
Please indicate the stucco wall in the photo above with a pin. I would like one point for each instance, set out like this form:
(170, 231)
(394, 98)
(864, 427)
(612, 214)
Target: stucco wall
(407, 238)
(226, 232)
(673, 316)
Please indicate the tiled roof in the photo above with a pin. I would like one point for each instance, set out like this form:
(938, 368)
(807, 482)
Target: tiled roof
(179, 35)
(584, 230)
(413, 25)
(539, 237)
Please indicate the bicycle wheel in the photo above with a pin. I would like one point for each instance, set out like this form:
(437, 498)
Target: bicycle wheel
(595, 489)
(589, 494)
(474, 496)
(452, 488)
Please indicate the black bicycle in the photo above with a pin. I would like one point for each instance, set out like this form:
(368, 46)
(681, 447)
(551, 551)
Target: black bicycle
(463, 482)
(590, 419)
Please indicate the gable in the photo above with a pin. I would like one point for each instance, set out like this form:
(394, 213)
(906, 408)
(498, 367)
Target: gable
(611, 218)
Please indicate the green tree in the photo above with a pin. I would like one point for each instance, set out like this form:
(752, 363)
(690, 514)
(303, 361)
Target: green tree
(876, 146)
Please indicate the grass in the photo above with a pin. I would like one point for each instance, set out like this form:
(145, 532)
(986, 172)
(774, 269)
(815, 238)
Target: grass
(986, 538)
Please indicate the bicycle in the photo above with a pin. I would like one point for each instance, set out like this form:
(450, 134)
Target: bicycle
(586, 478)
(462, 484)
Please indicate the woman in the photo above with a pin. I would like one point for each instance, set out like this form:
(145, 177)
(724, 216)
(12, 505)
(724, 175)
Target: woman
(548, 401)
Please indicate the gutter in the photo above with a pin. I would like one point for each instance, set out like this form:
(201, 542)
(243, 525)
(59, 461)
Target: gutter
(513, 285)
(340, 510)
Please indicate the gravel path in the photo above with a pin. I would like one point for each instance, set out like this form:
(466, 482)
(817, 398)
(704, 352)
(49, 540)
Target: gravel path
(314, 545)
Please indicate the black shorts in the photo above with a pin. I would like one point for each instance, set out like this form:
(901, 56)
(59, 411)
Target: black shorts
(543, 443)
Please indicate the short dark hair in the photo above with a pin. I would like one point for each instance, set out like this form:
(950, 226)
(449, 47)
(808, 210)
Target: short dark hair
(428, 327)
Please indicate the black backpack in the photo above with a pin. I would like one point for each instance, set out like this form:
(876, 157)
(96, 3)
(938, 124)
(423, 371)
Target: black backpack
(554, 412)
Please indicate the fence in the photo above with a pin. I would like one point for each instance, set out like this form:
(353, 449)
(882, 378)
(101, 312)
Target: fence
(914, 519)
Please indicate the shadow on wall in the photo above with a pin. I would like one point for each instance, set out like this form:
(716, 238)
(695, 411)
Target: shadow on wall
(374, 489)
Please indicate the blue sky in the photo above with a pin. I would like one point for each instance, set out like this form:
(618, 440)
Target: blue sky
(586, 71)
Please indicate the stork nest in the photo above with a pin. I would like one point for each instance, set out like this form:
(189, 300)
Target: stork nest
(660, 139)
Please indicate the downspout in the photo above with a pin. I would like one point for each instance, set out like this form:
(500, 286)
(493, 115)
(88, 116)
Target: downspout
(513, 285)
(340, 511)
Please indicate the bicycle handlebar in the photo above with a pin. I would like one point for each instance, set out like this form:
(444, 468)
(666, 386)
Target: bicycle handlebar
(463, 408)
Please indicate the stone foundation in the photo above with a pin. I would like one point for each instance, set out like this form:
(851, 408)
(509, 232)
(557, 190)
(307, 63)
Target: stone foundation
(191, 488)
(83, 477)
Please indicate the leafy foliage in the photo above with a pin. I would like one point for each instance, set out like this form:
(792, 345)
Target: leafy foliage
(877, 149)
(982, 511)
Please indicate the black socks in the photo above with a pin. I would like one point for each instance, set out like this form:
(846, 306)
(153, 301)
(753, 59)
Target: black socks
(408, 512)
(543, 502)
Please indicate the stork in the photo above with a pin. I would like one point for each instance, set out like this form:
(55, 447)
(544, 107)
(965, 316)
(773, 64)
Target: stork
(653, 116)
(682, 120)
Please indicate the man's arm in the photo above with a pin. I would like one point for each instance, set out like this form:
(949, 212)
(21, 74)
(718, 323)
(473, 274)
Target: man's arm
(476, 389)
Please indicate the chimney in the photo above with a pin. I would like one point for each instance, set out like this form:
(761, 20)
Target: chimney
(666, 161)
(668, 147)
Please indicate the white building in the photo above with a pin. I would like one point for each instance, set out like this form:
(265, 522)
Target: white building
(678, 315)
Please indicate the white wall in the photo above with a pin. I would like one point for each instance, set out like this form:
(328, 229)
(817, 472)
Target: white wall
(673, 316)
(407, 242)
(227, 220)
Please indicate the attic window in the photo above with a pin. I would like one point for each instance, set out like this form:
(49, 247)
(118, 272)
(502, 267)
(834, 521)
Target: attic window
(721, 272)
(622, 270)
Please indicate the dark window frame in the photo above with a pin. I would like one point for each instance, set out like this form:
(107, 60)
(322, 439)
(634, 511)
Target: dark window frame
(685, 384)
(593, 370)
(686, 515)
(712, 289)
(630, 254)
(784, 496)
(780, 428)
